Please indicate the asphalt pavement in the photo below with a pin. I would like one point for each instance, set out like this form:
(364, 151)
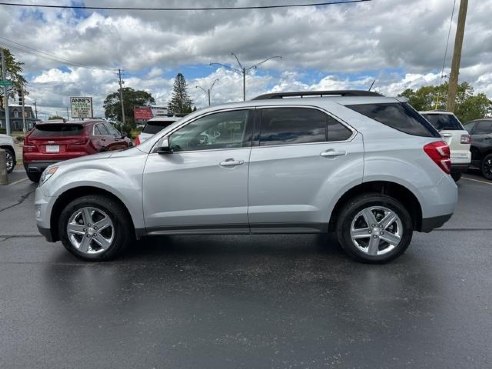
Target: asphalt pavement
(290, 301)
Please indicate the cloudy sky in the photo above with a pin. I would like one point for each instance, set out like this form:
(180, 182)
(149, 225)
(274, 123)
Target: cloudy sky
(399, 44)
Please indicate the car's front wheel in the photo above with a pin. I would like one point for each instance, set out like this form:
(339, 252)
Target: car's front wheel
(486, 166)
(95, 228)
(374, 228)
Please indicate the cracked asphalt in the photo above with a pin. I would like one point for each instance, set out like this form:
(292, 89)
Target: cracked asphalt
(247, 301)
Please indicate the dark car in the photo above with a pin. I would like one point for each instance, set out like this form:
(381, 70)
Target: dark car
(51, 142)
(481, 144)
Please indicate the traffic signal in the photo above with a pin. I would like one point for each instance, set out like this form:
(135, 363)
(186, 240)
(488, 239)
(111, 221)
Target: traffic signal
(21, 97)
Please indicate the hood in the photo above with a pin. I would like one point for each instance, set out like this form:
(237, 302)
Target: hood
(93, 157)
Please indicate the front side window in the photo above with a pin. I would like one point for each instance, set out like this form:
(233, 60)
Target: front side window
(283, 126)
(215, 131)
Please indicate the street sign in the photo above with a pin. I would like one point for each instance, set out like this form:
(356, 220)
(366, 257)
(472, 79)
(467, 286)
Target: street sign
(5, 82)
(81, 107)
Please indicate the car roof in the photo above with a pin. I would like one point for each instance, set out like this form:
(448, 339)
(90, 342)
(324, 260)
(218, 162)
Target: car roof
(164, 118)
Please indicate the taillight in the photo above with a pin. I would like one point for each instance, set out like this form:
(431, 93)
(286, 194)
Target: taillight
(137, 141)
(439, 153)
(465, 139)
(81, 141)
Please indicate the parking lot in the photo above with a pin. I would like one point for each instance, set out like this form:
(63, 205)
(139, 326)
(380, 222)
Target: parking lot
(290, 301)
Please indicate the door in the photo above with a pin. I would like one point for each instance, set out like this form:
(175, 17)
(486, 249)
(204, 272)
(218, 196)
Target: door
(202, 185)
(296, 164)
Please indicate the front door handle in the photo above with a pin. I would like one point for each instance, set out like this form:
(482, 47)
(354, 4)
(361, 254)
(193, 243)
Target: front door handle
(333, 153)
(231, 162)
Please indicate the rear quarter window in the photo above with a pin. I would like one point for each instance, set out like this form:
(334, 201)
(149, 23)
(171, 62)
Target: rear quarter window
(399, 116)
(57, 130)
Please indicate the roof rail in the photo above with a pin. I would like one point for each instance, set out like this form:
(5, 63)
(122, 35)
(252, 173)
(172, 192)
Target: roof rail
(301, 94)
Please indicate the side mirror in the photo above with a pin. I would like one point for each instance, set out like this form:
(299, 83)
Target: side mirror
(164, 148)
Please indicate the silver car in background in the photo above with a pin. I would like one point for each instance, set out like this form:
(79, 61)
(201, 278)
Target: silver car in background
(367, 167)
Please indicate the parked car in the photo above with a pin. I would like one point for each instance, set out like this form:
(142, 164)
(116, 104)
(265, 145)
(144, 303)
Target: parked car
(366, 167)
(458, 139)
(50, 142)
(154, 126)
(481, 144)
(7, 144)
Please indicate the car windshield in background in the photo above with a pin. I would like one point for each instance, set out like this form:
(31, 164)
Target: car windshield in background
(157, 126)
(444, 122)
(59, 129)
(399, 116)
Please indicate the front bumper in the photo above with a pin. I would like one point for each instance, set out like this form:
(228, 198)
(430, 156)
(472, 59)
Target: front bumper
(38, 166)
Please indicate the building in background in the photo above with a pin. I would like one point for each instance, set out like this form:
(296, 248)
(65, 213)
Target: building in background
(16, 122)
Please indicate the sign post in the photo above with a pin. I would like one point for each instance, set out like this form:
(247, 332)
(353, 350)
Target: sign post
(5, 92)
(81, 107)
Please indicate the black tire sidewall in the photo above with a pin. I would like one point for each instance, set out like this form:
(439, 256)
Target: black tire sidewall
(359, 203)
(484, 174)
(122, 226)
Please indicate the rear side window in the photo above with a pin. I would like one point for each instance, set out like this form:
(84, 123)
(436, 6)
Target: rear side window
(399, 116)
(444, 121)
(156, 126)
(281, 126)
(57, 130)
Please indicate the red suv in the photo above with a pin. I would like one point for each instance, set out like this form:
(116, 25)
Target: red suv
(50, 142)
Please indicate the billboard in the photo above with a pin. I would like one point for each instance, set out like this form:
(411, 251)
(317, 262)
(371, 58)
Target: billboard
(81, 107)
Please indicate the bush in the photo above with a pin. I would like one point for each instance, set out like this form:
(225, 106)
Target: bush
(19, 139)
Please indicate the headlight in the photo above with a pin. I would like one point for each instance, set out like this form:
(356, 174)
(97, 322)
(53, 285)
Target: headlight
(47, 174)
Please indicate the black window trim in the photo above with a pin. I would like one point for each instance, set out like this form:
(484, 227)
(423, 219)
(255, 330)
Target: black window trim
(257, 125)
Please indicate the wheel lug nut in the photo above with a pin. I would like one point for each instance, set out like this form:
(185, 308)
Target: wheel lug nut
(370, 231)
(375, 236)
(381, 233)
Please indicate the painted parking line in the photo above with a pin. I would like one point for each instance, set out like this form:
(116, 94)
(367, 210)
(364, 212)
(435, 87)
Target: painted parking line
(19, 181)
(477, 180)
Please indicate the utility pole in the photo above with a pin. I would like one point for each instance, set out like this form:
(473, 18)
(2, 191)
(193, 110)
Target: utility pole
(5, 93)
(23, 109)
(455, 64)
(35, 110)
(121, 98)
(207, 91)
(243, 70)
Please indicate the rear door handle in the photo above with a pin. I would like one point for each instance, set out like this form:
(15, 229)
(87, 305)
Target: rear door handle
(333, 153)
(231, 162)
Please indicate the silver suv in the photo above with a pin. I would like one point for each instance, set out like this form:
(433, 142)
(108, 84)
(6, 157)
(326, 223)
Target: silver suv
(364, 166)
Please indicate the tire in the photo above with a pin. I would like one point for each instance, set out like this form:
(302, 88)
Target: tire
(34, 177)
(79, 234)
(9, 159)
(486, 166)
(365, 238)
(456, 176)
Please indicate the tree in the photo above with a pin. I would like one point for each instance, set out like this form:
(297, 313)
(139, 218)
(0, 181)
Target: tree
(13, 72)
(131, 98)
(180, 101)
(468, 105)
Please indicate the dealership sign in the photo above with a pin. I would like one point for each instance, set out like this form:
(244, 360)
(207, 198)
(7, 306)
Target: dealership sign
(81, 107)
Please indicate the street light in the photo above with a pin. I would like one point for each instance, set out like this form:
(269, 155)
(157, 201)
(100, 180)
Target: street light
(243, 70)
(208, 90)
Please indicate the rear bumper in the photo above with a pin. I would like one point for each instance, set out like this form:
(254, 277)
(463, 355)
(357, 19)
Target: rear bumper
(38, 166)
(459, 168)
(428, 224)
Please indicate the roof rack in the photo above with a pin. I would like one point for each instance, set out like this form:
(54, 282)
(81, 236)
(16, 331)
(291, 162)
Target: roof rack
(301, 94)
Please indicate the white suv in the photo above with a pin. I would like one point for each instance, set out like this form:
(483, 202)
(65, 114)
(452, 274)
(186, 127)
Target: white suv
(7, 144)
(458, 139)
(153, 126)
(364, 166)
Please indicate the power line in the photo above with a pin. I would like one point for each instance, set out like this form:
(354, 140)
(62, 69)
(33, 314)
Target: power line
(447, 42)
(30, 50)
(184, 8)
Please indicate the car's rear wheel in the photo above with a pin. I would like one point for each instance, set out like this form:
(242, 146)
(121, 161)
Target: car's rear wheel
(486, 166)
(34, 177)
(95, 228)
(9, 160)
(374, 228)
(456, 176)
